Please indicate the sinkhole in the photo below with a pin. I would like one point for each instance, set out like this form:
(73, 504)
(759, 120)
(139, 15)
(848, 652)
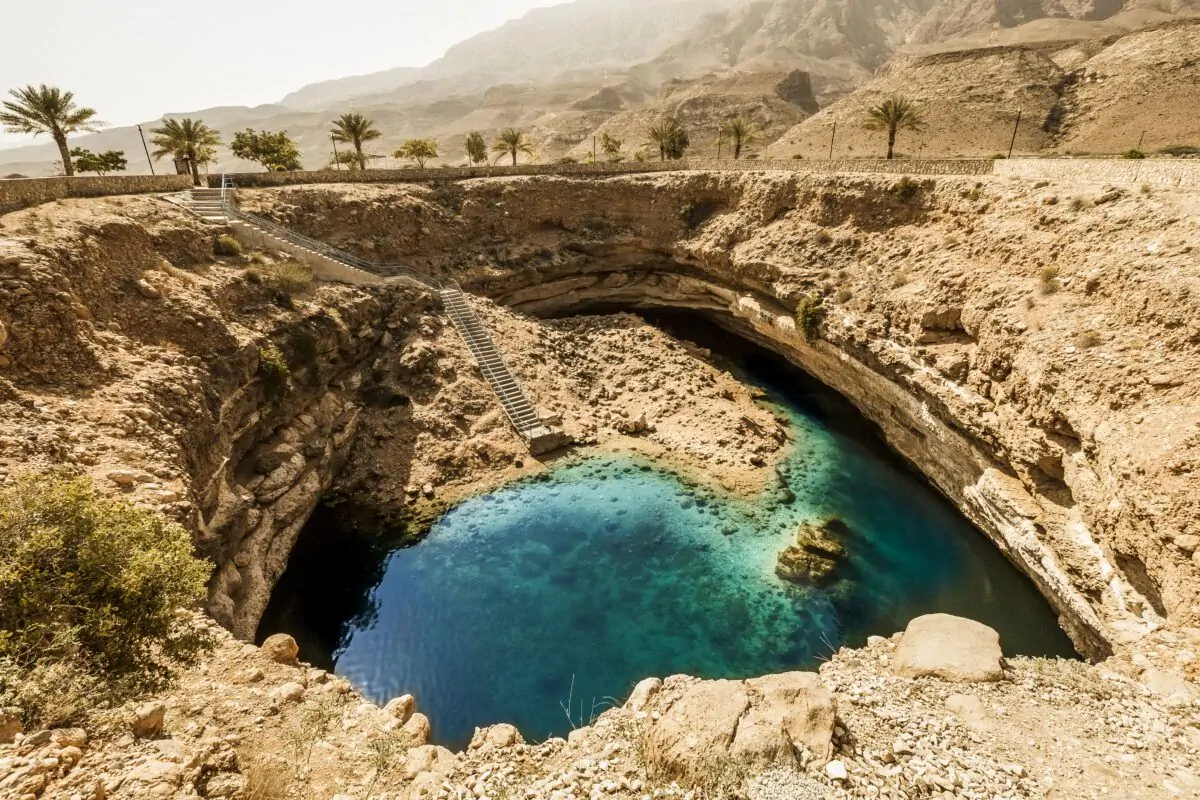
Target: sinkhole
(545, 601)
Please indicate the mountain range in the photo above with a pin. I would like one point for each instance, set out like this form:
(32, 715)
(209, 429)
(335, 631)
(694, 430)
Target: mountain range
(614, 66)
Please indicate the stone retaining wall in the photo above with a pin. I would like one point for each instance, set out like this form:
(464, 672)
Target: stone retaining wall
(897, 167)
(18, 193)
(1150, 171)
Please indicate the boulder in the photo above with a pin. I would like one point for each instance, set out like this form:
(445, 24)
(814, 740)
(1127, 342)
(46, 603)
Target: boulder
(496, 736)
(401, 707)
(1171, 685)
(815, 556)
(790, 713)
(643, 693)
(698, 728)
(428, 758)
(950, 648)
(281, 648)
(147, 719)
(290, 692)
(148, 290)
(416, 731)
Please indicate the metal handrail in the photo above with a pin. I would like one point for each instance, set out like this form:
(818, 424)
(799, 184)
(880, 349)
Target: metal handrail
(233, 211)
(478, 342)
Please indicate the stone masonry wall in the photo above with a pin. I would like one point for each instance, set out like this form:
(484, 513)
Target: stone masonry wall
(898, 167)
(1153, 172)
(18, 193)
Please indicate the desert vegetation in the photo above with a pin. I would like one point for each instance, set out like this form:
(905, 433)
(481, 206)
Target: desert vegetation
(511, 142)
(50, 110)
(355, 130)
(188, 139)
(274, 150)
(90, 590)
(893, 115)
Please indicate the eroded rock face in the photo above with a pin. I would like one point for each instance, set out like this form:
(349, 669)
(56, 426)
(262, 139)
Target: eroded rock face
(951, 648)
(744, 725)
(1000, 371)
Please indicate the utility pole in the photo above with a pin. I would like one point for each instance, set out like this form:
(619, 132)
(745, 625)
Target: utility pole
(720, 141)
(1013, 141)
(337, 162)
(149, 160)
(593, 149)
(832, 136)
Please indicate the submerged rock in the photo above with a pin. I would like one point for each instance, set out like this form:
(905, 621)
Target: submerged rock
(815, 556)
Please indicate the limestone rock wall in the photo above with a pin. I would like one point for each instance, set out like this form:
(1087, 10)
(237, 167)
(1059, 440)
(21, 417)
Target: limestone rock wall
(999, 334)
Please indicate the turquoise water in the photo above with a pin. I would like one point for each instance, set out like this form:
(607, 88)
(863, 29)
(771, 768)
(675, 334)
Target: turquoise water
(576, 585)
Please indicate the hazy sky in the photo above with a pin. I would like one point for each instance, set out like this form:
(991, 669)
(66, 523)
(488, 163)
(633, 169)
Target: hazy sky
(133, 60)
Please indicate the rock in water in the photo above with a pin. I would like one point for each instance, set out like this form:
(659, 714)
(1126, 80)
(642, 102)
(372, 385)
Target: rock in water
(815, 556)
(951, 648)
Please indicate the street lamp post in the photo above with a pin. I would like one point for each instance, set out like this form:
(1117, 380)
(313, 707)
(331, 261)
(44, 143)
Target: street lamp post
(149, 160)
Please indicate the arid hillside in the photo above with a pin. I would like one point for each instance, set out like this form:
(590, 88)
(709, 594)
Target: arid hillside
(1074, 97)
(602, 66)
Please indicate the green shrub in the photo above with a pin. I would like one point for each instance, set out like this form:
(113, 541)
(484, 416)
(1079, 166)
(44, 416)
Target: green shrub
(998, 156)
(810, 313)
(95, 584)
(1134, 153)
(274, 371)
(905, 189)
(226, 245)
(797, 157)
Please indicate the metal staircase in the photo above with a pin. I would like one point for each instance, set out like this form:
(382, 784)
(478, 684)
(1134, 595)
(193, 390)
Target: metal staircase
(218, 205)
(516, 403)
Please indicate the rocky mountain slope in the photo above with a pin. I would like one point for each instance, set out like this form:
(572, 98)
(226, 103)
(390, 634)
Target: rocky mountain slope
(1074, 97)
(590, 52)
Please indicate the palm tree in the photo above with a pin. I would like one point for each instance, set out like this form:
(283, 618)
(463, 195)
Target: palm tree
(741, 132)
(894, 114)
(670, 137)
(186, 138)
(355, 129)
(511, 141)
(476, 148)
(48, 109)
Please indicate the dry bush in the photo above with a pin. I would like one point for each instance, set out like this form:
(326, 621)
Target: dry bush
(226, 245)
(267, 778)
(1049, 280)
(1088, 339)
(290, 277)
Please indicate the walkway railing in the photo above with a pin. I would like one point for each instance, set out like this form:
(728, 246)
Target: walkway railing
(517, 405)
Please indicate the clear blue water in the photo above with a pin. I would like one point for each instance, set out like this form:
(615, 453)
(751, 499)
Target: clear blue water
(608, 569)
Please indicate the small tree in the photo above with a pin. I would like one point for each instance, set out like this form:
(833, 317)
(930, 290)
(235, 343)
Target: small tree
(670, 137)
(611, 146)
(741, 132)
(99, 163)
(48, 109)
(418, 150)
(476, 148)
(892, 115)
(274, 150)
(355, 130)
(510, 142)
(186, 138)
(94, 583)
